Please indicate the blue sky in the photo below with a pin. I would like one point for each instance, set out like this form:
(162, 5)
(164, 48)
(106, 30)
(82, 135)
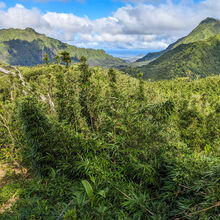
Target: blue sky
(121, 27)
(91, 8)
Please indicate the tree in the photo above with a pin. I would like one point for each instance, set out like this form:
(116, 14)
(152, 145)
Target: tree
(65, 57)
(141, 87)
(85, 72)
(85, 89)
(57, 59)
(47, 140)
(46, 59)
(114, 97)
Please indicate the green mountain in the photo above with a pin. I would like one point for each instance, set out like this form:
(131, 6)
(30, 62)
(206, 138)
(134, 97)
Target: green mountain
(27, 47)
(206, 29)
(199, 58)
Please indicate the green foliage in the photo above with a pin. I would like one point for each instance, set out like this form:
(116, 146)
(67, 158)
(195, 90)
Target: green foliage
(57, 59)
(98, 144)
(88, 188)
(46, 59)
(141, 87)
(84, 96)
(47, 141)
(113, 83)
(65, 57)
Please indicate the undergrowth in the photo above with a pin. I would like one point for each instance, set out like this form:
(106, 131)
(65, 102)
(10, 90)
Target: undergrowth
(97, 144)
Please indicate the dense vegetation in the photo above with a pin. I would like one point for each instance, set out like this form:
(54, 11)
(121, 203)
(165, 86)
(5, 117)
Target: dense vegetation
(97, 144)
(27, 47)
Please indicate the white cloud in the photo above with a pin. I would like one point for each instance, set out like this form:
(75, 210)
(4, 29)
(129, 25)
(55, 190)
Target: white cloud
(20, 17)
(142, 25)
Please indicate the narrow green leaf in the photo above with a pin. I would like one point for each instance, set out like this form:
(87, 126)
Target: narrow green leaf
(88, 188)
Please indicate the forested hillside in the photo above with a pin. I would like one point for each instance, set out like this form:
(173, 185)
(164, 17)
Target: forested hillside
(27, 47)
(198, 59)
(92, 143)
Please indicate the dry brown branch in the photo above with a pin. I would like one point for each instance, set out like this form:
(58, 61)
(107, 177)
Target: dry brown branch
(204, 210)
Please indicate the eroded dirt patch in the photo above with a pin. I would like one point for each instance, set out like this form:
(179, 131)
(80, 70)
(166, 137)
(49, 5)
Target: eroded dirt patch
(3, 170)
(8, 204)
(4, 179)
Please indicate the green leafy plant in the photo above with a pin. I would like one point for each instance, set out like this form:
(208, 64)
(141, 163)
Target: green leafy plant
(93, 143)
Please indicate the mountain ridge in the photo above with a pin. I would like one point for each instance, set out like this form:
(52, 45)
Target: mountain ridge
(201, 58)
(26, 47)
(206, 29)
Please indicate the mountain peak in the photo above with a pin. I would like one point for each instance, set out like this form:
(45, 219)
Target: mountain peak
(31, 30)
(209, 20)
(207, 29)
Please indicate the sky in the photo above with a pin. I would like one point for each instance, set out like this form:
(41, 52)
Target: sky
(121, 27)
